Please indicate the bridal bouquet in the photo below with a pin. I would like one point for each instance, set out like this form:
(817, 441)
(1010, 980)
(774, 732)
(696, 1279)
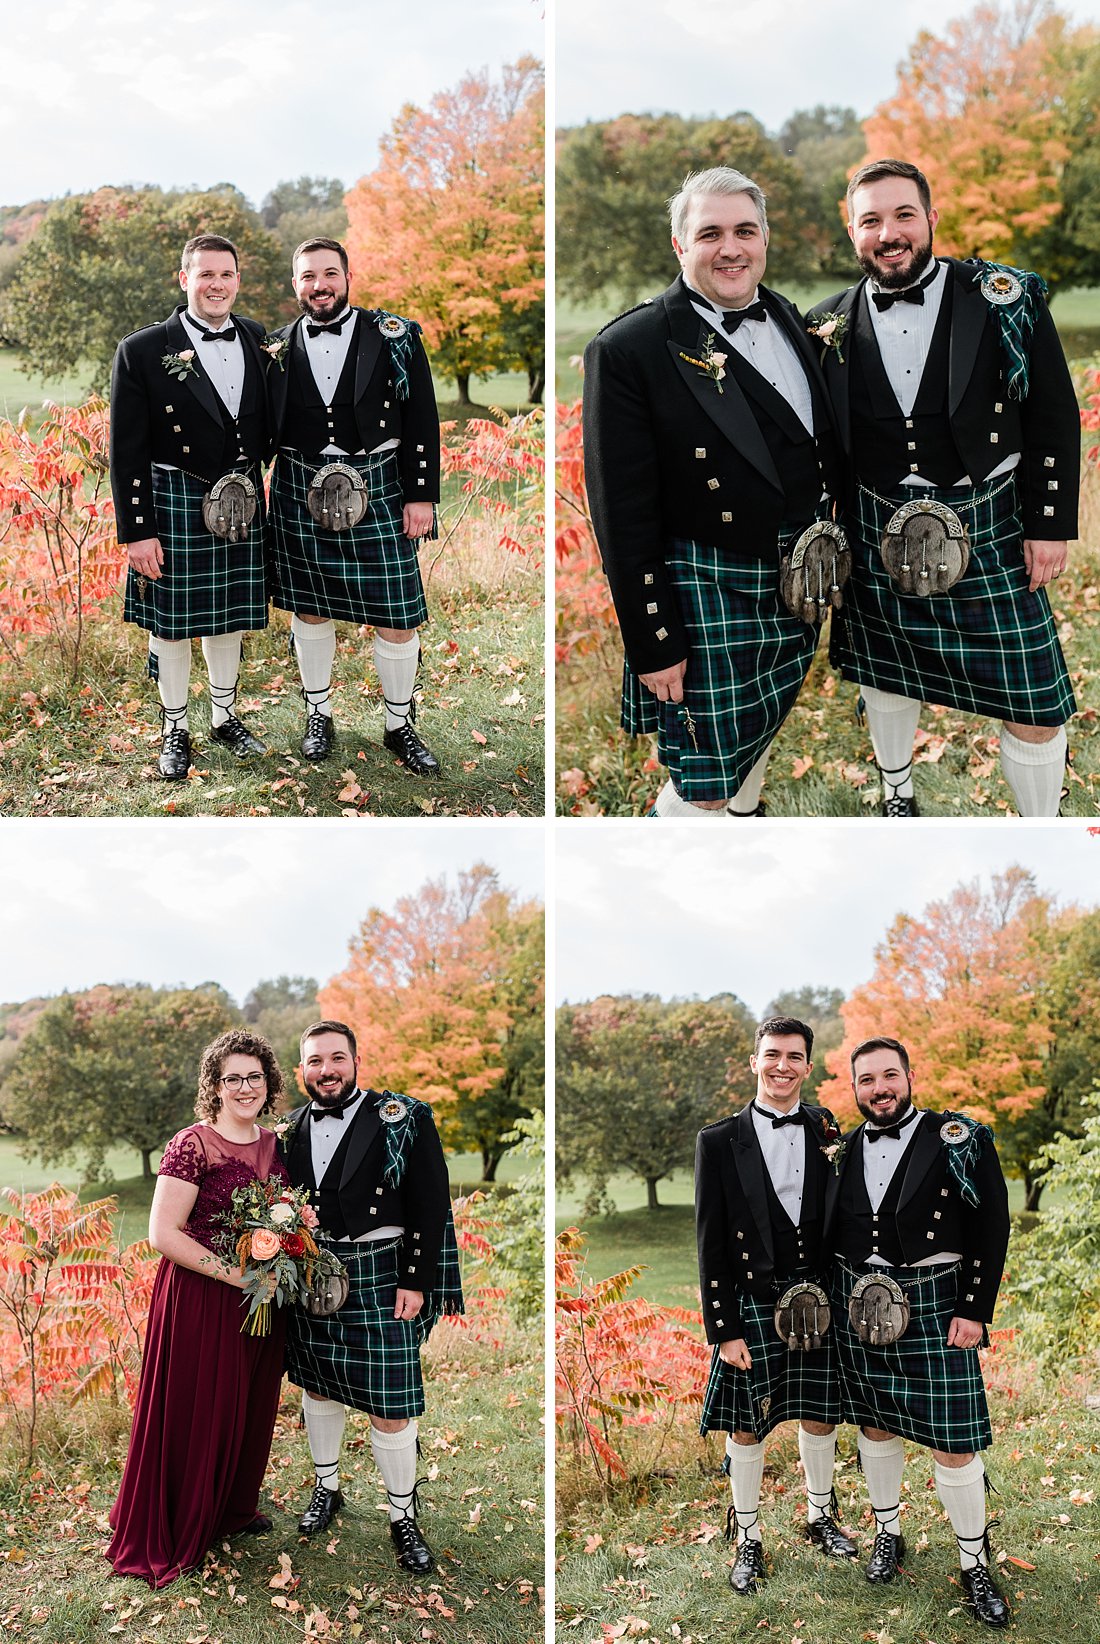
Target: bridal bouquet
(272, 1227)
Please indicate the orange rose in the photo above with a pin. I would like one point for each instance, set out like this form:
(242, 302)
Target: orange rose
(264, 1244)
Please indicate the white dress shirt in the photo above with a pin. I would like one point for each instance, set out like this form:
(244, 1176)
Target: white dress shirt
(784, 1153)
(880, 1160)
(325, 1136)
(767, 347)
(327, 354)
(223, 362)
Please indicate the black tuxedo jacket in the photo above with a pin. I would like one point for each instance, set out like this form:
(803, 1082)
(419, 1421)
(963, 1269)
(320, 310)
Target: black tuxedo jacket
(156, 417)
(419, 1203)
(379, 414)
(666, 455)
(932, 1214)
(1045, 427)
(733, 1221)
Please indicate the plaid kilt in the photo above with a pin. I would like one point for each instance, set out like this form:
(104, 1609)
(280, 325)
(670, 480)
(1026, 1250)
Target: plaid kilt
(370, 573)
(747, 658)
(918, 1388)
(362, 1356)
(208, 585)
(781, 1386)
(988, 646)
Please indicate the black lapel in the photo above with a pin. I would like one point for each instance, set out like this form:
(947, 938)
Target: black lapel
(299, 1153)
(365, 1129)
(884, 402)
(836, 370)
(253, 391)
(368, 341)
(277, 375)
(196, 382)
(922, 1153)
(729, 410)
(969, 318)
(748, 1161)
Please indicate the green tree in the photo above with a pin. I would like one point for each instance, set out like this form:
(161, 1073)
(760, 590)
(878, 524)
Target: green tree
(113, 1067)
(825, 143)
(819, 1008)
(615, 177)
(302, 209)
(101, 265)
(637, 1078)
(280, 1008)
(1067, 252)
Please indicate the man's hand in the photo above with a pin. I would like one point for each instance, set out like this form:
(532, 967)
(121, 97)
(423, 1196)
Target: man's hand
(735, 1353)
(667, 685)
(409, 1303)
(964, 1333)
(416, 519)
(1044, 561)
(146, 557)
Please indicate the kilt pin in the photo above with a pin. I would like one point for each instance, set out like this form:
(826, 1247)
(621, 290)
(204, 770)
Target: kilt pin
(695, 487)
(988, 645)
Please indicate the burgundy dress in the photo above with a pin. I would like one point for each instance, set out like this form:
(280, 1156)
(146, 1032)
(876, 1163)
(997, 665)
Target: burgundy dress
(208, 1395)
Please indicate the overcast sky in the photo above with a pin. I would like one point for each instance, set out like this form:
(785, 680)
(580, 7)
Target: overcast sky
(681, 910)
(703, 57)
(135, 91)
(231, 902)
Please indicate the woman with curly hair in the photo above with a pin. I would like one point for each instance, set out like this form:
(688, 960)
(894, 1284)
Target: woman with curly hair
(208, 1395)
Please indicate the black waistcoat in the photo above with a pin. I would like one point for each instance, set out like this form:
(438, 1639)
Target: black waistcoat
(888, 446)
(863, 1232)
(807, 464)
(797, 1246)
(244, 439)
(310, 424)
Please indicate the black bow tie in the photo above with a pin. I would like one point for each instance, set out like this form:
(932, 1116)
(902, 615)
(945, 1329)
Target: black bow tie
(795, 1118)
(334, 326)
(889, 1130)
(335, 1111)
(911, 293)
(732, 317)
(227, 335)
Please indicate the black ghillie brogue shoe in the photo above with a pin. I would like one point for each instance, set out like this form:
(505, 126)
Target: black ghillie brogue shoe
(886, 1556)
(749, 1567)
(983, 1596)
(323, 1507)
(414, 1556)
(319, 736)
(826, 1535)
(237, 737)
(900, 805)
(175, 754)
(404, 742)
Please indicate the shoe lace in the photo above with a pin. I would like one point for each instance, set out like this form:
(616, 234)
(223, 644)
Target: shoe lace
(232, 730)
(406, 1502)
(896, 805)
(175, 740)
(315, 722)
(884, 1545)
(410, 742)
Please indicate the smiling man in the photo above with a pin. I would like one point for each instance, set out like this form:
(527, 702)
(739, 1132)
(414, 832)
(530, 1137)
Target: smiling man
(353, 492)
(953, 395)
(760, 1181)
(189, 428)
(709, 448)
(918, 1216)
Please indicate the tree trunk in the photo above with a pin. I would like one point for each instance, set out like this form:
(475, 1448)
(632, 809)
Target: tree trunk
(146, 1167)
(536, 382)
(489, 1163)
(1033, 1188)
(462, 383)
(651, 1192)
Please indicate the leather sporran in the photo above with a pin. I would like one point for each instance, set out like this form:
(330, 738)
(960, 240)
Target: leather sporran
(337, 497)
(925, 548)
(327, 1294)
(813, 573)
(229, 507)
(879, 1310)
(802, 1316)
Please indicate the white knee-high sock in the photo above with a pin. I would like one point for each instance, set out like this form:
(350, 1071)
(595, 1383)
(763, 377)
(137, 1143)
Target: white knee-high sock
(892, 721)
(1034, 772)
(325, 1431)
(669, 803)
(395, 1458)
(223, 664)
(883, 1462)
(173, 674)
(747, 797)
(396, 665)
(746, 1474)
(962, 1491)
(818, 1453)
(315, 648)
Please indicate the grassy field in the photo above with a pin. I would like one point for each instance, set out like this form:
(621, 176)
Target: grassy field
(482, 1510)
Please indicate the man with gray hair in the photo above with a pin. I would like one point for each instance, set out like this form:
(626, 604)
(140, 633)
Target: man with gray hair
(709, 452)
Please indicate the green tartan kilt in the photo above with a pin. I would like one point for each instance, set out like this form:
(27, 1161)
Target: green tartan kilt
(987, 646)
(368, 574)
(918, 1388)
(208, 585)
(747, 658)
(362, 1356)
(780, 1386)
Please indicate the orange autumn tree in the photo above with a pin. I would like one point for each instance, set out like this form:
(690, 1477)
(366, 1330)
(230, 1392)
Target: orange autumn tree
(981, 113)
(445, 995)
(449, 227)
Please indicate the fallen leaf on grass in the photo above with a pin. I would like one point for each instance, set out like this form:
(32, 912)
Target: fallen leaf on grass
(1020, 1563)
(800, 766)
(479, 737)
(285, 1576)
(592, 1543)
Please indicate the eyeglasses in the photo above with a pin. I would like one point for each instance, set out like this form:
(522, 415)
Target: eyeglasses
(234, 1081)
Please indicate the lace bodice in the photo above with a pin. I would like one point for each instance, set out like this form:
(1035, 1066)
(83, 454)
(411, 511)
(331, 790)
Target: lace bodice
(217, 1166)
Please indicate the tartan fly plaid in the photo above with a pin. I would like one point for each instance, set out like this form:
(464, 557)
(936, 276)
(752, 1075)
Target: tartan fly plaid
(918, 1388)
(208, 585)
(361, 1355)
(368, 574)
(747, 658)
(987, 646)
(780, 1386)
